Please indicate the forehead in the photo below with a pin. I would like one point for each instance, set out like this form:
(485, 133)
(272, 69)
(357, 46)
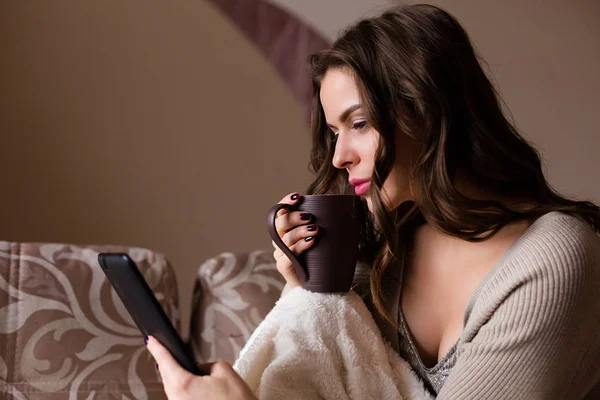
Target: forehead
(338, 90)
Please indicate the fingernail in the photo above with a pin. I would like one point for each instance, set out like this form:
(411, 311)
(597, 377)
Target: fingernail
(305, 216)
(295, 196)
(308, 239)
(146, 340)
(311, 228)
(156, 366)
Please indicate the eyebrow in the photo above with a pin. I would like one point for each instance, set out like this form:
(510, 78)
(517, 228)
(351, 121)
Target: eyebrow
(344, 116)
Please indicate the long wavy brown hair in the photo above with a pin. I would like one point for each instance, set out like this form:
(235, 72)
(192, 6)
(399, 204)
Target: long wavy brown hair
(418, 75)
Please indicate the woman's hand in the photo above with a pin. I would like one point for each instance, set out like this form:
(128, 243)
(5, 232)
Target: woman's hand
(297, 233)
(179, 384)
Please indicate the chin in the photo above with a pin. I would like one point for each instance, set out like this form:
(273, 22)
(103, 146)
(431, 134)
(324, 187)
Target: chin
(393, 201)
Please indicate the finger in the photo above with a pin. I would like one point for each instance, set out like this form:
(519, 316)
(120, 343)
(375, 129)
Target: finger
(289, 221)
(290, 199)
(278, 253)
(298, 234)
(284, 264)
(169, 368)
(297, 248)
(302, 241)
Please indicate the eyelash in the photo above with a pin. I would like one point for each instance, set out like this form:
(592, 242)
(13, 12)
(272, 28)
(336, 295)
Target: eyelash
(359, 125)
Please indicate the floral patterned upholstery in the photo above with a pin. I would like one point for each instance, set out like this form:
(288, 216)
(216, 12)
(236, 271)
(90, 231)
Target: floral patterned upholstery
(64, 333)
(232, 295)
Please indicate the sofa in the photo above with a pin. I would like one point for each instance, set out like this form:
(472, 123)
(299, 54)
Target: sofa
(64, 333)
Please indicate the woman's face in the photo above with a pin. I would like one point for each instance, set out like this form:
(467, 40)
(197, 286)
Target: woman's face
(356, 141)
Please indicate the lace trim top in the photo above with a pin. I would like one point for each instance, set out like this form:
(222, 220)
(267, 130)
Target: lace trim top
(433, 377)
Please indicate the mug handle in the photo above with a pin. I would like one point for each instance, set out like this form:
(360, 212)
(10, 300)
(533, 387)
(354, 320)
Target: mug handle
(300, 271)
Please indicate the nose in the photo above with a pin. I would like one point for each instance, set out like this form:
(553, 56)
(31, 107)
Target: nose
(345, 155)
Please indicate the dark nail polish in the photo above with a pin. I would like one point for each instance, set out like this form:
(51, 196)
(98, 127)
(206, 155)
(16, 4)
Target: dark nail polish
(305, 216)
(311, 228)
(295, 196)
(308, 239)
(146, 340)
(156, 366)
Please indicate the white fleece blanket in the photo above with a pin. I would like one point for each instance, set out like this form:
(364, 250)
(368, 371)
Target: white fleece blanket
(324, 346)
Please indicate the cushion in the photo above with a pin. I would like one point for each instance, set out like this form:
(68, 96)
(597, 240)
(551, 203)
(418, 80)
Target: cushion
(64, 333)
(233, 293)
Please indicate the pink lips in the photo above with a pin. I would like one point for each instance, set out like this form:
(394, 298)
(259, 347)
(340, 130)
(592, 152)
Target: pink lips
(361, 186)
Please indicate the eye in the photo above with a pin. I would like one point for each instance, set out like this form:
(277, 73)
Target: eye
(359, 125)
(333, 136)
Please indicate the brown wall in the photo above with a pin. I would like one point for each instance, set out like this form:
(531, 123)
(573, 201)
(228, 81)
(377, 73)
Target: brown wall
(141, 123)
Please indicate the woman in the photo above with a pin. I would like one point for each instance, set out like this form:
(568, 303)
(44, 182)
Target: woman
(493, 274)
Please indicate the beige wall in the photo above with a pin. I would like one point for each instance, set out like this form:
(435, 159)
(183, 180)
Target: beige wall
(141, 123)
(155, 124)
(544, 57)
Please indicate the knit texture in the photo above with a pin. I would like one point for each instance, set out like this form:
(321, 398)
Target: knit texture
(531, 329)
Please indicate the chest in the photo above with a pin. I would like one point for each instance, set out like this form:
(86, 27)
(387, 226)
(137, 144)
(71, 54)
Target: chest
(440, 276)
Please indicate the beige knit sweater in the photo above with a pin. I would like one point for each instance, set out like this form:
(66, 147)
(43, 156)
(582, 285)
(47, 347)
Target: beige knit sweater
(531, 329)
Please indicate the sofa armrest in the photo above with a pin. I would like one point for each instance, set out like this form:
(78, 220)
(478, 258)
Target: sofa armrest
(233, 293)
(64, 331)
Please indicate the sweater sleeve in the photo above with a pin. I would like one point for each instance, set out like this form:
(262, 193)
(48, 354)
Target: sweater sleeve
(535, 331)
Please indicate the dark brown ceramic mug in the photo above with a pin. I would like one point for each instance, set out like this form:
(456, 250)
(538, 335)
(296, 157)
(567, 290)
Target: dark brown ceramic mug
(328, 265)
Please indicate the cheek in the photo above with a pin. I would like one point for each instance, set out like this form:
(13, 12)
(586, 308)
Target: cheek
(368, 143)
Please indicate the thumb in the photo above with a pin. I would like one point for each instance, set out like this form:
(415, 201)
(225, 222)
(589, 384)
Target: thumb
(224, 370)
(169, 368)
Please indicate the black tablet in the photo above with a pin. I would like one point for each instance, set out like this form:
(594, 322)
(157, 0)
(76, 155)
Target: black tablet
(126, 279)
